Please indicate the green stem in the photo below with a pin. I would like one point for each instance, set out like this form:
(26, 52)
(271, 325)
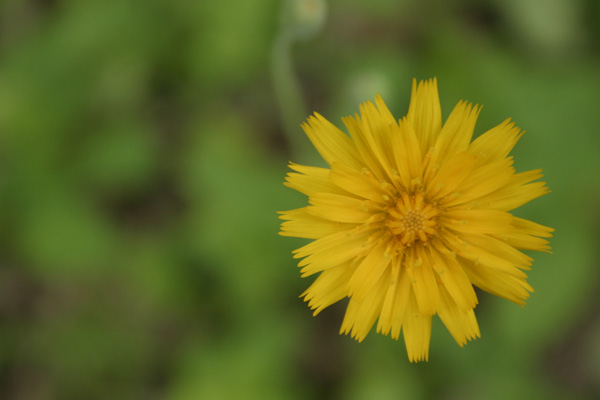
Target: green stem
(289, 94)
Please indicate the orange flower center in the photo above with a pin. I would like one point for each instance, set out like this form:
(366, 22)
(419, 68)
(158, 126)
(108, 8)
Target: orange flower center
(412, 219)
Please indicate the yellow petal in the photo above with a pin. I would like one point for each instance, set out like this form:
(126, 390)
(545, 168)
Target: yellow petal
(360, 138)
(456, 133)
(299, 223)
(425, 288)
(368, 272)
(362, 313)
(417, 332)
(488, 245)
(524, 241)
(377, 125)
(531, 228)
(473, 248)
(424, 112)
(341, 208)
(407, 154)
(397, 304)
(516, 193)
(442, 181)
(461, 324)
(481, 181)
(477, 221)
(310, 180)
(333, 144)
(360, 183)
(527, 235)
(387, 316)
(451, 274)
(496, 143)
(331, 251)
(329, 287)
(497, 282)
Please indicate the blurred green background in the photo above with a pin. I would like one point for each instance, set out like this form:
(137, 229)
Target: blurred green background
(142, 154)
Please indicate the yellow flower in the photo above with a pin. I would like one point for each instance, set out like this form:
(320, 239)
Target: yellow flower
(410, 215)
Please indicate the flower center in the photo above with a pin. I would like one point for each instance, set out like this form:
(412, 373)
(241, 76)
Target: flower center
(412, 219)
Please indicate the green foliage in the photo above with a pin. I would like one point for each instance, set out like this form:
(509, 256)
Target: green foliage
(141, 165)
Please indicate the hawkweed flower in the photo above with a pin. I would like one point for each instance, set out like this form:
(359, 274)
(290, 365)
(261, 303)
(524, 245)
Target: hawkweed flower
(410, 215)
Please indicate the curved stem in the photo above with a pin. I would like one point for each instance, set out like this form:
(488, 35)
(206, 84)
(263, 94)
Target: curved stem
(289, 94)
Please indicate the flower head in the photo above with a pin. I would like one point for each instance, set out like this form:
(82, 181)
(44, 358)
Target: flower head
(410, 215)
